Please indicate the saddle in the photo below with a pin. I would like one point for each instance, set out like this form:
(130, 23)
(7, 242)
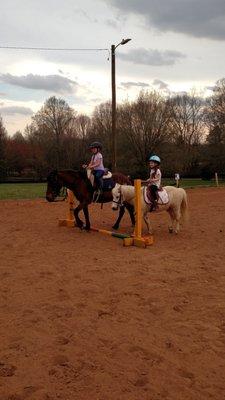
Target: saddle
(108, 183)
(163, 197)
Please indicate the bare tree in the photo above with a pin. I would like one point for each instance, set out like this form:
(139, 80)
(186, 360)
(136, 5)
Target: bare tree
(215, 107)
(75, 141)
(187, 129)
(145, 124)
(215, 119)
(54, 118)
(3, 138)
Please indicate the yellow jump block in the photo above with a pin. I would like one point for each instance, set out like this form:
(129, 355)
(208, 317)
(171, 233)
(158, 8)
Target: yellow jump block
(138, 241)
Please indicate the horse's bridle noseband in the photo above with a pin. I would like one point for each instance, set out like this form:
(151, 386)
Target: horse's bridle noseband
(119, 202)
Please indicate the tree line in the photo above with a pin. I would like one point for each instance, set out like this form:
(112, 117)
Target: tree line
(186, 131)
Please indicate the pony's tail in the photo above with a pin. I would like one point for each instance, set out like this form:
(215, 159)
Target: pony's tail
(184, 208)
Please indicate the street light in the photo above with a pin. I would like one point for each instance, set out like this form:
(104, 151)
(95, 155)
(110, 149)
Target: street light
(113, 69)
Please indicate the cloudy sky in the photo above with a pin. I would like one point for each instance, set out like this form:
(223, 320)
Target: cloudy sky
(176, 45)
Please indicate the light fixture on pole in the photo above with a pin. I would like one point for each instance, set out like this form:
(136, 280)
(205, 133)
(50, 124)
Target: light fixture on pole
(113, 70)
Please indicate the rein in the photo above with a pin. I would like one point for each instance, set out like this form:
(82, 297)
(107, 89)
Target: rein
(62, 193)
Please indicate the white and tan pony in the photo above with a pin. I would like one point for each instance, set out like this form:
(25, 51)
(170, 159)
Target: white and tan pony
(175, 204)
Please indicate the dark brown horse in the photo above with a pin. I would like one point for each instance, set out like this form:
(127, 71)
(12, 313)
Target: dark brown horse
(80, 185)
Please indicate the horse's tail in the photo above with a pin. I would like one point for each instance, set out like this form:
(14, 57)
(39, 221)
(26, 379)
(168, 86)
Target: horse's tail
(184, 207)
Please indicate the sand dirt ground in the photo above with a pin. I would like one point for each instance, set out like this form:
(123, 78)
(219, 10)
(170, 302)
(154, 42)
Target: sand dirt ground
(82, 317)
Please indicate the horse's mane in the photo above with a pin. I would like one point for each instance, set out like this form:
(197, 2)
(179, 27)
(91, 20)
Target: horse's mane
(82, 174)
(117, 177)
(122, 179)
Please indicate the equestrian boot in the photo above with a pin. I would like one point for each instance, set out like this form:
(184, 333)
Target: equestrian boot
(154, 206)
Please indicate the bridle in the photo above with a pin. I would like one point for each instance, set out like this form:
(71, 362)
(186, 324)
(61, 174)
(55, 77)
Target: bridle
(57, 189)
(119, 202)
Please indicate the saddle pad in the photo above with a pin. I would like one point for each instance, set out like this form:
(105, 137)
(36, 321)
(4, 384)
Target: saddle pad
(107, 175)
(108, 184)
(163, 197)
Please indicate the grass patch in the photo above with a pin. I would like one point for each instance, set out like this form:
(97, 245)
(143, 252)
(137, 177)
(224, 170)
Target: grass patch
(16, 191)
(192, 183)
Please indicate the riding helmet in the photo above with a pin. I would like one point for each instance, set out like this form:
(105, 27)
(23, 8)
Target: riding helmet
(96, 145)
(155, 159)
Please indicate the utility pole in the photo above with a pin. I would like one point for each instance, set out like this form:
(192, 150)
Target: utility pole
(113, 78)
(114, 147)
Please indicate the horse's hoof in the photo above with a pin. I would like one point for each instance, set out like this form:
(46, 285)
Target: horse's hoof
(115, 227)
(170, 230)
(87, 228)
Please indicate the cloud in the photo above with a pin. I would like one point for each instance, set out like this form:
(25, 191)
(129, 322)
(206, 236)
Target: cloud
(198, 18)
(128, 85)
(112, 23)
(161, 85)
(152, 57)
(11, 110)
(211, 88)
(49, 83)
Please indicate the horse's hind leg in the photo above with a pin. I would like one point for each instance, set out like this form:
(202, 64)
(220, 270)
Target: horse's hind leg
(172, 218)
(177, 221)
(175, 216)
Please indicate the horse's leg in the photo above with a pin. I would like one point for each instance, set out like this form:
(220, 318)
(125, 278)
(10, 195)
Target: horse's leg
(121, 214)
(79, 223)
(148, 223)
(172, 218)
(177, 220)
(130, 209)
(87, 220)
(175, 216)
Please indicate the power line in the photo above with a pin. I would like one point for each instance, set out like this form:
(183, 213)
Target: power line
(50, 48)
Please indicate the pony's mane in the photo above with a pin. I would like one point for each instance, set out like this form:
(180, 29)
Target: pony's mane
(122, 179)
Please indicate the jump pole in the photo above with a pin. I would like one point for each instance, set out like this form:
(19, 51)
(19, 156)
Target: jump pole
(138, 240)
(114, 234)
(69, 221)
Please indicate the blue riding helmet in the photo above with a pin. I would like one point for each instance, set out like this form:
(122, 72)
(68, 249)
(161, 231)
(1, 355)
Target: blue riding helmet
(155, 159)
(96, 145)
